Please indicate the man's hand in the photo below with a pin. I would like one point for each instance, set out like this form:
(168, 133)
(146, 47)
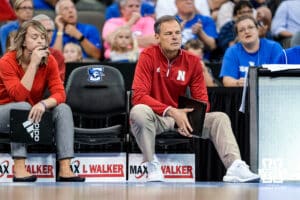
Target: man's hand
(72, 31)
(59, 23)
(180, 117)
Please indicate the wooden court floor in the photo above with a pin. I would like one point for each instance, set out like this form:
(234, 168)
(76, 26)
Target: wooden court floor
(147, 191)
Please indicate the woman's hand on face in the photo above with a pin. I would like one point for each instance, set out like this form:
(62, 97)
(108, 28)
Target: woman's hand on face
(38, 54)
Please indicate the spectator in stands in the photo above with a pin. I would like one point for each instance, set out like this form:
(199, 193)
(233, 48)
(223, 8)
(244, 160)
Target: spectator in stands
(250, 51)
(24, 11)
(124, 47)
(264, 19)
(227, 35)
(25, 73)
(72, 52)
(286, 21)
(168, 7)
(225, 13)
(289, 56)
(142, 27)
(44, 4)
(214, 6)
(195, 25)
(113, 10)
(162, 74)
(7, 13)
(69, 30)
(196, 47)
(48, 23)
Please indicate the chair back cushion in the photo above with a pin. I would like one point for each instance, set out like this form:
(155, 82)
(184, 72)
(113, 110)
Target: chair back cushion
(96, 90)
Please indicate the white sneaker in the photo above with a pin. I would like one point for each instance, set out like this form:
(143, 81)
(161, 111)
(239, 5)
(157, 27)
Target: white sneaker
(239, 172)
(154, 171)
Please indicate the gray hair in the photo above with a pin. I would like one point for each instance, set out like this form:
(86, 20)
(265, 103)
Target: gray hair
(122, 3)
(57, 5)
(42, 17)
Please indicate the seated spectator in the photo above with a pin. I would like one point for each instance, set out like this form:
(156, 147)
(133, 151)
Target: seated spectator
(124, 47)
(72, 52)
(289, 56)
(44, 4)
(195, 25)
(225, 13)
(214, 6)
(286, 22)
(196, 47)
(24, 11)
(113, 10)
(26, 71)
(7, 13)
(264, 19)
(142, 27)
(168, 7)
(48, 23)
(227, 35)
(162, 74)
(250, 51)
(69, 30)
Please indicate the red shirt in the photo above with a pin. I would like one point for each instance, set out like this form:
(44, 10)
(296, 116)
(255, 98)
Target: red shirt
(59, 57)
(7, 13)
(159, 82)
(12, 90)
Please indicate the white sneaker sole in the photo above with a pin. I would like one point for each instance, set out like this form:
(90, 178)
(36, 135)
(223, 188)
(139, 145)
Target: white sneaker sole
(234, 179)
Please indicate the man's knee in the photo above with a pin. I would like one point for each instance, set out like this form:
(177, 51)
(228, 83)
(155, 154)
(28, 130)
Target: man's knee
(221, 117)
(141, 113)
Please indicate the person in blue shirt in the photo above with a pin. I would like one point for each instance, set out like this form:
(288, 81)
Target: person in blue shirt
(24, 11)
(196, 26)
(114, 10)
(286, 21)
(249, 51)
(289, 56)
(69, 30)
(44, 5)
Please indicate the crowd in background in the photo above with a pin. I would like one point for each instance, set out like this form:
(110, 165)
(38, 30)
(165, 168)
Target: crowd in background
(128, 29)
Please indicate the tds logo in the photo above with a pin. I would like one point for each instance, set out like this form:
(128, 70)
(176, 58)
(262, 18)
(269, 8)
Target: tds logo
(138, 170)
(4, 168)
(33, 129)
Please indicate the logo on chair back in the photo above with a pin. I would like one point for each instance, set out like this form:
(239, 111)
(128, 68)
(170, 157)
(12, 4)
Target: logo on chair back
(33, 129)
(96, 73)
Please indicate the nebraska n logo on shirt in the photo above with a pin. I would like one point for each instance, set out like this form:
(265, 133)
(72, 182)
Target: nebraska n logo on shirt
(181, 75)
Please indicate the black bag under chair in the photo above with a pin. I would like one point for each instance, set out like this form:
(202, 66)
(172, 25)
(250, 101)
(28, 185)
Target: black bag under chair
(98, 99)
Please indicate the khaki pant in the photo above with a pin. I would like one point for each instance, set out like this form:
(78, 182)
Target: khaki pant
(145, 125)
